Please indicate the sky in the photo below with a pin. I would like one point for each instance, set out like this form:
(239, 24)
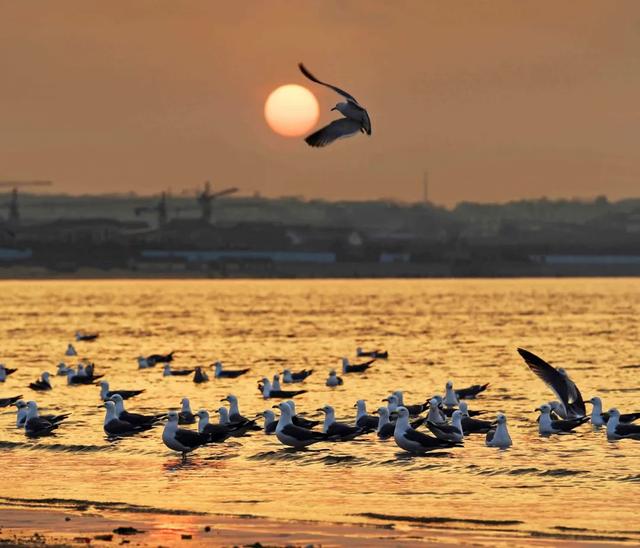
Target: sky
(497, 100)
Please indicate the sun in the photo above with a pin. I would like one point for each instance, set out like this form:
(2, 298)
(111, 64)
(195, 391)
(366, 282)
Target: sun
(291, 110)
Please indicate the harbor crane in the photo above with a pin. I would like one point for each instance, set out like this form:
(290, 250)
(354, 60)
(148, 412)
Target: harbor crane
(12, 204)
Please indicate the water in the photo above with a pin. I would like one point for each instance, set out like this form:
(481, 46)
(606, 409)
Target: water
(435, 330)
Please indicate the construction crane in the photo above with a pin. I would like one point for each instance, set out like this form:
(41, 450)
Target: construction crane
(205, 198)
(12, 204)
(160, 209)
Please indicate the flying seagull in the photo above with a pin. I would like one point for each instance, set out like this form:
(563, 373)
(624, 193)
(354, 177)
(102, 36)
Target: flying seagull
(356, 119)
(559, 382)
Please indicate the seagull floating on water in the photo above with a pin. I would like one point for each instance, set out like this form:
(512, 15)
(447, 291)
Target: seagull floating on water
(292, 435)
(356, 118)
(74, 379)
(180, 439)
(88, 337)
(617, 430)
(364, 420)
(113, 426)
(559, 382)
(299, 420)
(296, 376)
(548, 426)
(168, 372)
(154, 359)
(270, 421)
(450, 397)
(228, 373)
(71, 351)
(355, 367)
(448, 432)
(239, 427)
(5, 372)
(269, 392)
(36, 426)
(385, 428)
(6, 402)
(333, 379)
(216, 433)
(22, 409)
(499, 436)
(200, 376)
(338, 431)
(63, 370)
(415, 409)
(376, 354)
(413, 441)
(134, 418)
(105, 393)
(42, 384)
(598, 418)
(234, 409)
(473, 426)
(186, 416)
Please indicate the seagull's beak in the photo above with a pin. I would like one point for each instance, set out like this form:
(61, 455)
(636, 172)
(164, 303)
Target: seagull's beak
(224, 399)
(384, 399)
(355, 405)
(275, 407)
(334, 108)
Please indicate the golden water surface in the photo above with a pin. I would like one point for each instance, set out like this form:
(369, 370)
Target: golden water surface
(435, 330)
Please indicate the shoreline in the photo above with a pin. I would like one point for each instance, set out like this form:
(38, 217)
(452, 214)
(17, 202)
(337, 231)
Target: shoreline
(74, 523)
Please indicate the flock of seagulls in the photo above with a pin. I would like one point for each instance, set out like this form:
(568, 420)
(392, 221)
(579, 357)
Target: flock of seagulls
(437, 422)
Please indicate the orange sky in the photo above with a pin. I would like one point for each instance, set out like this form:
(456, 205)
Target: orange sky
(499, 100)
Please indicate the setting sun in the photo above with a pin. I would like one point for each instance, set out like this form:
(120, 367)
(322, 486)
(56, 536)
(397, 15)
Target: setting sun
(291, 110)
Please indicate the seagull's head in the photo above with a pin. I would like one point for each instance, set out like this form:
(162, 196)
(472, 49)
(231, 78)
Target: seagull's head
(340, 107)
(116, 398)
(392, 399)
(501, 418)
(268, 414)
(614, 413)
(325, 409)
(359, 349)
(383, 412)
(544, 408)
(449, 385)
(110, 405)
(173, 416)
(276, 377)
(403, 412)
(361, 405)
(186, 404)
(595, 401)
(45, 376)
(284, 409)
(332, 373)
(464, 407)
(287, 372)
(345, 361)
(104, 385)
(292, 405)
(20, 404)
(457, 414)
(202, 414)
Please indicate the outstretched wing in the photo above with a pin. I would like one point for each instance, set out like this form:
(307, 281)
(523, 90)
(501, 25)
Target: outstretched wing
(338, 129)
(311, 77)
(549, 375)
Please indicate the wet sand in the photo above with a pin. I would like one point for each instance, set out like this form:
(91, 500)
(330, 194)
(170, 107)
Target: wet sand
(55, 526)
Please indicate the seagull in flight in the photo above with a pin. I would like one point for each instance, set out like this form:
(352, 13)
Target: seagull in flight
(356, 118)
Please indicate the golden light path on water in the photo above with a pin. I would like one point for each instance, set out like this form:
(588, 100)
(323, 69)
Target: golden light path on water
(435, 330)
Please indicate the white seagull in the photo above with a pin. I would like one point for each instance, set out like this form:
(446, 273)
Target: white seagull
(499, 436)
(292, 435)
(356, 118)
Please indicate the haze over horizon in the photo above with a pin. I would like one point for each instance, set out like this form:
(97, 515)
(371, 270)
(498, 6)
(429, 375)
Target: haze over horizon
(499, 101)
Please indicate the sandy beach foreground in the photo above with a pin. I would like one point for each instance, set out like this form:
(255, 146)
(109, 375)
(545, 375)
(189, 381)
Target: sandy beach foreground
(73, 524)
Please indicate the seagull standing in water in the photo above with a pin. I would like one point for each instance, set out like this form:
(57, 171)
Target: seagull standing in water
(180, 439)
(292, 435)
(356, 118)
(43, 383)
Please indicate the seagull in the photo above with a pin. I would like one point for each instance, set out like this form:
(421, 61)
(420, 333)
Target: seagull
(598, 418)
(617, 430)
(269, 392)
(105, 393)
(228, 373)
(143, 363)
(239, 428)
(377, 354)
(186, 416)
(363, 420)
(414, 410)
(297, 376)
(73, 378)
(275, 384)
(356, 367)
(499, 436)
(392, 403)
(6, 402)
(270, 421)
(234, 409)
(71, 351)
(297, 419)
(22, 409)
(333, 379)
(180, 439)
(168, 372)
(471, 392)
(449, 432)
(134, 418)
(200, 376)
(42, 384)
(385, 426)
(81, 336)
(559, 382)
(436, 414)
(413, 441)
(450, 398)
(547, 425)
(216, 433)
(338, 431)
(5, 372)
(356, 118)
(113, 426)
(35, 425)
(154, 359)
(292, 435)
(473, 426)
(63, 370)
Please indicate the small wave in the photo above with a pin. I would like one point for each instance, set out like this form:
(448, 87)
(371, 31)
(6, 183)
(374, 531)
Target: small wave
(562, 472)
(439, 519)
(55, 447)
(630, 366)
